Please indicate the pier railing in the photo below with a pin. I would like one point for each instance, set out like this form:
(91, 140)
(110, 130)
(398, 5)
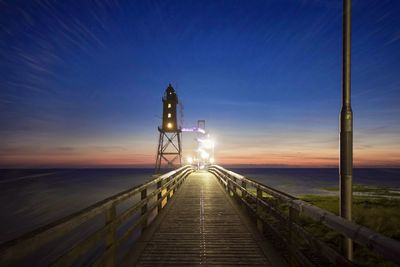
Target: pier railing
(285, 219)
(99, 247)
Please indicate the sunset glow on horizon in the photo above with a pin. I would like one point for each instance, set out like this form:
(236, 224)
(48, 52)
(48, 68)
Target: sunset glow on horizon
(278, 153)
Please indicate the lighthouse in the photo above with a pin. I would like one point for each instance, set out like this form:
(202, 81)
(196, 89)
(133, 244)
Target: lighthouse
(170, 101)
(169, 151)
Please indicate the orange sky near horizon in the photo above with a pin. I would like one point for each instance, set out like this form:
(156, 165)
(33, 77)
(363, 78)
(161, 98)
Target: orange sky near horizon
(251, 145)
(133, 160)
(143, 154)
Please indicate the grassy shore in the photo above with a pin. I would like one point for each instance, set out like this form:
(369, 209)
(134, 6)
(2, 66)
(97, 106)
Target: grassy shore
(380, 214)
(377, 191)
(379, 210)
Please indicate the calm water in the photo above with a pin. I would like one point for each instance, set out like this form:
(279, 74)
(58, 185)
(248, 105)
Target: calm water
(312, 181)
(31, 198)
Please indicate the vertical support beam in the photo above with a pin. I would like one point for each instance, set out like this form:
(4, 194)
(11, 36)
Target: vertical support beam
(293, 215)
(244, 193)
(168, 187)
(231, 186)
(143, 195)
(234, 186)
(228, 184)
(171, 187)
(182, 177)
(111, 235)
(159, 152)
(178, 179)
(159, 196)
(346, 130)
(180, 148)
(260, 223)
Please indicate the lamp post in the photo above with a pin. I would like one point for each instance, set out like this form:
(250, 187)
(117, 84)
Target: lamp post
(346, 131)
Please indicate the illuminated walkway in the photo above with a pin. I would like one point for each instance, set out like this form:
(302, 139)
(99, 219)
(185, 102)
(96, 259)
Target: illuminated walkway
(202, 226)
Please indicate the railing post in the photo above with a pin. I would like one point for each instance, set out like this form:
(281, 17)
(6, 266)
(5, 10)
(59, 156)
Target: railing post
(293, 215)
(143, 195)
(184, 176)
(225, 179)
(234, 187)
(244, 193)
(181, 179)
(168, 187)
(173, 190)
(178, 180)
(159, 196)
(111, 234)
(260, 223)
(228, 184)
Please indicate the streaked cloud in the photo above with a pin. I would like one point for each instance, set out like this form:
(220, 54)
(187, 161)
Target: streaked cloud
(81, 83)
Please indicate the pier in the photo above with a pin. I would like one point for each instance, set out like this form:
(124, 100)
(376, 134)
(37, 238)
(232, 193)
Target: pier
(188, 217)
(192, 212)
(202, 226)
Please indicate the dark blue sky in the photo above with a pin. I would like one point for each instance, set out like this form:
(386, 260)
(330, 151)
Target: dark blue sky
(81, 82)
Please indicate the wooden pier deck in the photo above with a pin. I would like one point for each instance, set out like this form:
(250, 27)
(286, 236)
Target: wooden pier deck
(203, 226)
(200, 225)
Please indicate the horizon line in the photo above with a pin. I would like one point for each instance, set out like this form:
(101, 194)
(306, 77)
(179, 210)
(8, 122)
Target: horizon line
(148, 166)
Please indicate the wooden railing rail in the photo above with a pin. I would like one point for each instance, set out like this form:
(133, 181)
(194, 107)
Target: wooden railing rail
(15, 250)
(237, 185)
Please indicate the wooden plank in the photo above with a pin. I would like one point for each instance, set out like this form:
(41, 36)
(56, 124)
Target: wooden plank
(202, 228)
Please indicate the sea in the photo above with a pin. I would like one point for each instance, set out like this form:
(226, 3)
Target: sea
(30, 198)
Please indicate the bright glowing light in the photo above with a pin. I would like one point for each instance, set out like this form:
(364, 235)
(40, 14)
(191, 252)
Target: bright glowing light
(169, 105)
(212, 160)
(169, 125)
(169, 115)
(207, 143)
(189, 160)
(204, 155)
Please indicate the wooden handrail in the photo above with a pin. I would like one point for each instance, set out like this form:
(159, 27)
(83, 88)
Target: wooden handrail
(13, 251)
(387, 247)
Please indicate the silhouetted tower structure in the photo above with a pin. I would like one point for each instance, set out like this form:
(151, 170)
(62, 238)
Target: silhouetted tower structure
(169, 144)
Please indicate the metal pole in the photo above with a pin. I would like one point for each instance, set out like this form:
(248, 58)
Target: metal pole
(346, 131)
